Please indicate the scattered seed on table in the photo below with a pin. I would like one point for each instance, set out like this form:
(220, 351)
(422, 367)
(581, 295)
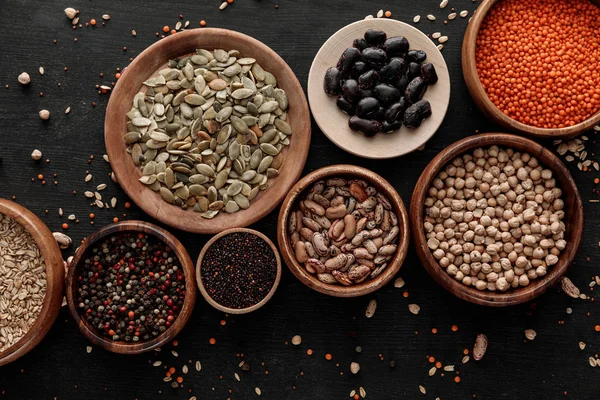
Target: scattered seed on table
(436, 35)
(432, 371)
(581, 345)
(414, 308)
(416, 19)
(399, 283)
(44, 114)
(480, 347)
(530, 334)
(198, 366)
(354, 367)
(443, 39)
(444, 3)
(451, 16)
(256, 389)
(362, 391)
(371, 308)
(296, 340)
(41, 70)
(422, 389)
(431, 17)
(464, 13)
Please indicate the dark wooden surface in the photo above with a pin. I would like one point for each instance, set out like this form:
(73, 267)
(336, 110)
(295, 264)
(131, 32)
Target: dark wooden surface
(60, 367)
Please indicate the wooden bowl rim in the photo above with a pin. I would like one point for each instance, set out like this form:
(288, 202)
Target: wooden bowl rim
(55, 277)
(513, 296)
(383, 186)
(315, 92)
(295, 154)
(229, 310)
(190, 286)
(481, 99)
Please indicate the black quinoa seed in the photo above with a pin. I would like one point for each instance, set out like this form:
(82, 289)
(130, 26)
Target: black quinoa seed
(239, 270)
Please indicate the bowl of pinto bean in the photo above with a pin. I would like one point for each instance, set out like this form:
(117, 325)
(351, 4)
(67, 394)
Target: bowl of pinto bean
(343, 231)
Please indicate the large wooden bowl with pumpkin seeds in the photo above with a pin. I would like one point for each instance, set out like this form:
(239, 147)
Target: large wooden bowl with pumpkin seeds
(118, 124)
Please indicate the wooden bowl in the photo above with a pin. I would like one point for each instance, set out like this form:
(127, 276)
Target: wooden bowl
(147, 64)
(351, 172)
(481, 99)
(55, 276)
(229, 310)
(190, 287)
(334, 123)
(573, 219)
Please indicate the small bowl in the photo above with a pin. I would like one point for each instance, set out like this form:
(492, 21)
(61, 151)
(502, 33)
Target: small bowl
(229, 310)
(147, 64)
(334, 123)
(190, 287)
(469, 67)
(55, 276)
(351, 172)
(573, 209)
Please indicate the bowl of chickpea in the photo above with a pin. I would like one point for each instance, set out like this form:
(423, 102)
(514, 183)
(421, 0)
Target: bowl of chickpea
(496, 219)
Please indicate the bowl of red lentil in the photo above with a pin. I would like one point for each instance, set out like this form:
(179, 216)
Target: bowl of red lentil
(238, 271)
(442, 181)
(533, 67)
(131, 287)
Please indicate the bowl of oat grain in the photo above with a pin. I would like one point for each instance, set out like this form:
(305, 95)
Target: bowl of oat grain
(31, 281)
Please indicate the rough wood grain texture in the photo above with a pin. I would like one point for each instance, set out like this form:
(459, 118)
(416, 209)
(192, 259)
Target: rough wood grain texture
(290, 204)
(481, 99)
(573, 219)
(55, 275)
(147, 64)
(334, 123)
(190, 287)
(60, 367)
(229, 310)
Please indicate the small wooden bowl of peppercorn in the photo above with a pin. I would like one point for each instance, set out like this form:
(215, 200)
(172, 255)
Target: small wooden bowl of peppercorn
(537, 59)
(50, 307)
(371, 245)
(131, 287)
(554, 175)
(238, 271)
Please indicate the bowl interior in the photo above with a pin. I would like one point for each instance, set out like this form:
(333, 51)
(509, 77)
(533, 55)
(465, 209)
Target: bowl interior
(147, 64)
(54, 279)
(475, 87)
(334, 123)
(207, 296)
(349, 172)
(190, 286)
(573, 219)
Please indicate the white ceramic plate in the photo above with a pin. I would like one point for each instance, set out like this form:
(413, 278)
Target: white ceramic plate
(334, 123)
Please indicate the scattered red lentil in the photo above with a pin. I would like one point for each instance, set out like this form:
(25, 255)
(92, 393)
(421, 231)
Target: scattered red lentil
(457, 379)
(454, 328)
(212, 340)
(597, 328)
(93, 22)
(203, 23)
(165, 29)
(309, 352)
(328, 357)
(434, 330)
(388, 14)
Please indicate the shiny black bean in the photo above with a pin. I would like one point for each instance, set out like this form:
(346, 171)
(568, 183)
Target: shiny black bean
(347, 60)
(345, 105)
(396, 46)
(428, 73)
(395, 112)
(386, 93)
(388, 127)
(367, 107)
(416, 55)
(415, 114)
(368, 80)
(331, 83)
(366, 93)
(414, 70)
(350, 91)
(358, 69)
(415, 90)
(374, 56)
(401, 83)
(360, 44)
(378, 115)
(365, 126)
(375, 37)
(392, 70)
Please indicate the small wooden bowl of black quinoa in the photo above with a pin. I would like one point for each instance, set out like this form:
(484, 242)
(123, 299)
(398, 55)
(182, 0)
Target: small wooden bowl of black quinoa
(131, 287)
(238, 271)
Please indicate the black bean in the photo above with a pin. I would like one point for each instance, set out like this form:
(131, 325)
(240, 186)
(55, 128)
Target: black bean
(366, 93)
(366, 126)
(350, 91)
(331, 83)
(347, 60)
(379, 115)
(374, 37)
(401, 83)
(415, 114)
(367, 107)
(360, 44)
(416, 55)
(388, 127)
(368, 79)
(393, 69)
(374, 56)
(396, 46)
(414, 70)
(428, 73)
(395, 112)
(386, 93)
(358, 69)
(415, 90)
(345, 105)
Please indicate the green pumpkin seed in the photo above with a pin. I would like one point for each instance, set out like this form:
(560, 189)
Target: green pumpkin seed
(269, 149)
(243, 93)
(232, 207)
(210, 214)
